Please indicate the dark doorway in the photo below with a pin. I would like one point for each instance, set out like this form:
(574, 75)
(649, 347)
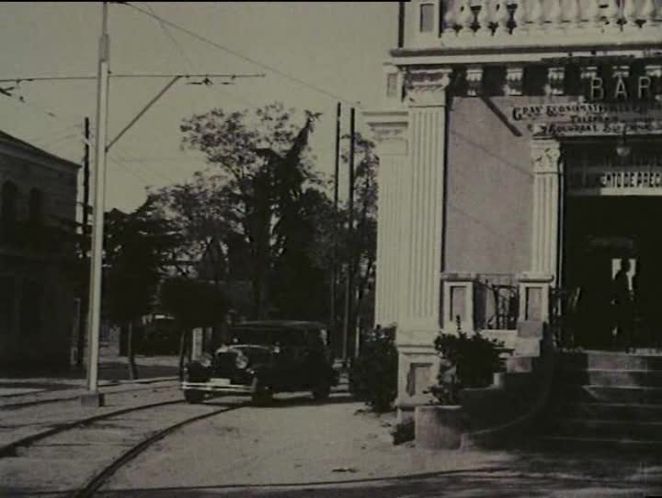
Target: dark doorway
(599, 234)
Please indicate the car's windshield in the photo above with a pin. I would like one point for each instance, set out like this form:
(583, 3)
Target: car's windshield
(284, 337)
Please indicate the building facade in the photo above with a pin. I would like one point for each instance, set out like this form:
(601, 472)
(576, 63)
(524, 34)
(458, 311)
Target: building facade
(520, 148)
(37, 223)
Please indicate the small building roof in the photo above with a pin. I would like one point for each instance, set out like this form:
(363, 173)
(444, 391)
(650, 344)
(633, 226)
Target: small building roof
(6, 138)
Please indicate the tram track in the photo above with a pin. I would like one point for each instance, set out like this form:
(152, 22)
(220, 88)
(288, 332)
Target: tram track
(12, 448)
(132, 429)
(96, 482)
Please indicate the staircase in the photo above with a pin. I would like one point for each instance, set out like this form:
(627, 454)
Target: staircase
(606, 399)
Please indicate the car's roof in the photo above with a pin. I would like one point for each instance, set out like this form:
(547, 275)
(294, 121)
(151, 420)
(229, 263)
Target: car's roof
(278, 324)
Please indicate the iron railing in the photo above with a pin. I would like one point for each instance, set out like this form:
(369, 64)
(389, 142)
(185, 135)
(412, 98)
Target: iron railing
(497, 302)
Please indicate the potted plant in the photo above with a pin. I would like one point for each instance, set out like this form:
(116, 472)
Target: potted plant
(466, 361)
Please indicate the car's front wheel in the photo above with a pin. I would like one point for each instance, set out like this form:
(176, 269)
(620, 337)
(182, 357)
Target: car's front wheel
(193, 397)
(262, 393)
(321, 392)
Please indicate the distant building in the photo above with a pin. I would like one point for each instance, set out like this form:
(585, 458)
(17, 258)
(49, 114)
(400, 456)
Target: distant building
(37, 225)
(520, 160)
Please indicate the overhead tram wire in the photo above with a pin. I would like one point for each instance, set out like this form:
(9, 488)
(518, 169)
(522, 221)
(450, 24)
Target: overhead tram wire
(132, 172)
(241, 56)
(153, 172)
(232, 76)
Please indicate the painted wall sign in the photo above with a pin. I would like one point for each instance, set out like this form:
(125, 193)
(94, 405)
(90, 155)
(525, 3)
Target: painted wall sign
(592, 178)
(590, 118)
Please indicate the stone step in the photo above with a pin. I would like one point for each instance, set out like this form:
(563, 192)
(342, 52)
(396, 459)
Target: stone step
(606, 360)
(527, 346)
(614, 378)
(520, 364)
(607, 429)
(613, 394)
(631, 412)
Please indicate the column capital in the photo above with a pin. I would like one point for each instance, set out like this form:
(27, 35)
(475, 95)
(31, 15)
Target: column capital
(546, 156)
(426, 88)
(389, 129)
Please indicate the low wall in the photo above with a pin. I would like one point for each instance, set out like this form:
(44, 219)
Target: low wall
(493, 416)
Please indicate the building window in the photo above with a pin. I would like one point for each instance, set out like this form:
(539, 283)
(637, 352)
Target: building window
(9, 211)
(36, 206)
(426, 23)
(6, 305)
(31, 307)
(391, 85)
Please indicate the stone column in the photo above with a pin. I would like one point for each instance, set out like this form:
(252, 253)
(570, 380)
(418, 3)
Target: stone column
(421, 247)
(423, 215)
(390, 131)
(547, 184)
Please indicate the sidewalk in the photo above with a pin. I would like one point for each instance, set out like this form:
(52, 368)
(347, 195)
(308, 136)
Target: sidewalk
(31, 388)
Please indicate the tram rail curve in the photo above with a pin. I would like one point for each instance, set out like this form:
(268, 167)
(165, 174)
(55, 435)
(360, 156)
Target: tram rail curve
(11, 449)
(96, 482)
(149, 436)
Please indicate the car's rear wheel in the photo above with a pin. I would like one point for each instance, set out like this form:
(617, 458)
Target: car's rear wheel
(193, 397)
(262, 393)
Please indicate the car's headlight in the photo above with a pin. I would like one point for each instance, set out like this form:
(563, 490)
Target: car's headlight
(241, 361)
(206, 361)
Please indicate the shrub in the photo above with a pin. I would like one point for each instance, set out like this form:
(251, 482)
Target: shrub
(373, 377)
(465, 362)
(403, 432)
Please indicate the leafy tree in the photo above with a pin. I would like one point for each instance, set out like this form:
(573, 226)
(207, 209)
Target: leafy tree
(259, 162)
(136, 247)
(193, 304)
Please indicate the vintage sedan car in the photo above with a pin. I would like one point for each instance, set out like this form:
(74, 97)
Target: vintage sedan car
(263, 358)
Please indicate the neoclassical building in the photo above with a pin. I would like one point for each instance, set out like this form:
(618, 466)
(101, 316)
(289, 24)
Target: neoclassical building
(520, 147)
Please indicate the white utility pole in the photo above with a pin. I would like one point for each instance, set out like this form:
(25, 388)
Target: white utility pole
(94, 317)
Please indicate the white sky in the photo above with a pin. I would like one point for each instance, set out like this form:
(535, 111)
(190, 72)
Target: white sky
(339, 47)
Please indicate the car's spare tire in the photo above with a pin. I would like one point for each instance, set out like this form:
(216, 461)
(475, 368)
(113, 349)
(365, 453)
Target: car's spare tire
(192, 396)
(196, 372)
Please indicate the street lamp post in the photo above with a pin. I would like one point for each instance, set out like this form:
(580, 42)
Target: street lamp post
(93, 397)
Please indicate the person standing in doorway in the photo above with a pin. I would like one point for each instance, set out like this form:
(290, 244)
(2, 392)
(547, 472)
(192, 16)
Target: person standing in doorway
(623, 305)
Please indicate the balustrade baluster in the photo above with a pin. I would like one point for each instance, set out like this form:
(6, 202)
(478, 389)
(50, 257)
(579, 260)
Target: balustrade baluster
(555, 15)
(450, 18)
(502, 18)
(521, 17)
(613, 15)
(466, 18)
(649, 13)
(537, 16)
(593, 14)
(573, 14)
(630, 13)
(484, 18)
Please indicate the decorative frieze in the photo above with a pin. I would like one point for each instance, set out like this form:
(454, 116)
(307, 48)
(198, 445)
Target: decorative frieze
(555, 80)
(474, 79)
(514, 78)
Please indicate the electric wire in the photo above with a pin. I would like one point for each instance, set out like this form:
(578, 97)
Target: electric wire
(273, 69)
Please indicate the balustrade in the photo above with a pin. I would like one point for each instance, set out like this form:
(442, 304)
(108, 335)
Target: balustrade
(495, 18)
